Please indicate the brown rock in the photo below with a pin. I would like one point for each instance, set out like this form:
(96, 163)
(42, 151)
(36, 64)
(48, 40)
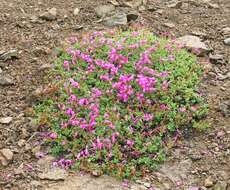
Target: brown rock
(6, 155)
(209, 182)
(54, 174)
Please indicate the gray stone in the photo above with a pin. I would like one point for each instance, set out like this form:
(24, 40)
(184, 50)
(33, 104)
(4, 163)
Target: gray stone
(216, 59)
(49, 15)
(213, 5)
(193, 42)
(104, 10)
(226, 31)
(169, 25)
(45, 67)
(34, 19)
(225, 108)
(21, 142)
(224, 77)
(6, 81)
(151, 8)
(54, 174)
(6, 155)
(45, 162)
(6, 120)
(227, 41)
(174, 4)
(115, 20)
(133, 3)
(7, 55)
(199, 33)
(114, 2)
(53, 11)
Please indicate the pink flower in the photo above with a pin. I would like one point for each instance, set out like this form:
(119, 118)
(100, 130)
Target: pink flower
(53, 135)
(72, 98)
(96, 92)
(99, 144)
(164, 74)
(163, 107)
(148, 117)
(70, 112)
(146, 83)
(66, 65)
(74, 83)
(183, 109)
(126, 184)
(130, 143)
(86, 152)
(105, 77)
(83, 101)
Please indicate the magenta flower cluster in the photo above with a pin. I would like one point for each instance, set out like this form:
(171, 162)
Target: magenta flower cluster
(112, 108)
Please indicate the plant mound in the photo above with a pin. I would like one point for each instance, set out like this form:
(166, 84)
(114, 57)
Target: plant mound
(117, 100)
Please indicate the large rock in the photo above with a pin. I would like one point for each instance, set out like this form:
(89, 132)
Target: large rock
(6, 81)
(6, 156)
(54, 174)
(115, 20)
(104, 10)
(49, 15)
(193, 43)
(6, 120)
(7, 55)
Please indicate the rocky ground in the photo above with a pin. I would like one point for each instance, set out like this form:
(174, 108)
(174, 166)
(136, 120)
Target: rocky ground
(31, 29)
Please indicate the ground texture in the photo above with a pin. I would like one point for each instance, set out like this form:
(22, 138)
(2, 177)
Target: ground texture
(198, 161)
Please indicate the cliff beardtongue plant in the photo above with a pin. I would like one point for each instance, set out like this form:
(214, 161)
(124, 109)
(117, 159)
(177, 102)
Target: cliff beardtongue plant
(121, 98)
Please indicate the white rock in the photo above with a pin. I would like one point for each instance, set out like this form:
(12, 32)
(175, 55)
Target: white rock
(227, 41)
(76, 11)
(226, 31)
(213, 6)
(114, 2)
(53, 174)
(193, 42)
(169, 25)
(6, 120)
(53, 11)
(133, 3)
